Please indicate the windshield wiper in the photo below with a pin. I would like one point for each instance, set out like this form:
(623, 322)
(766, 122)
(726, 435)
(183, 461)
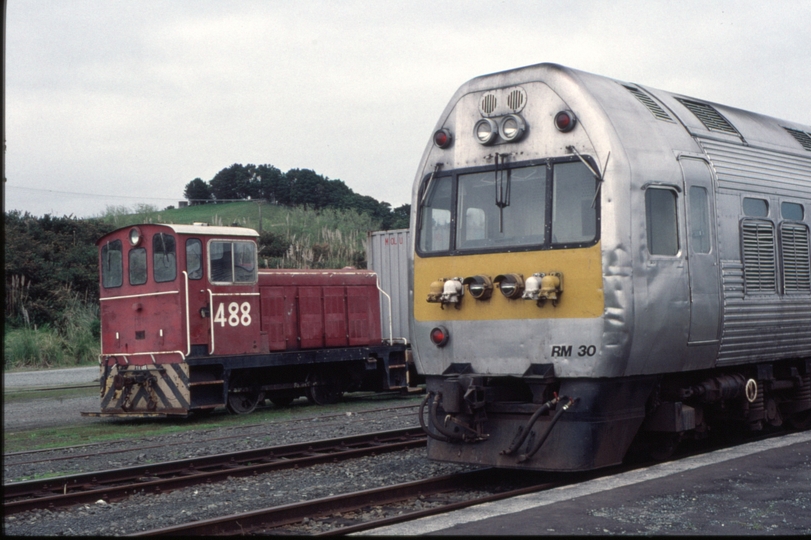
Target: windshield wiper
(599, 178)
(502, 192)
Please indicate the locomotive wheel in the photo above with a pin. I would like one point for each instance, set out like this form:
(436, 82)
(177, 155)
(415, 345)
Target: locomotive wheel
(326, 390)
(243, 402)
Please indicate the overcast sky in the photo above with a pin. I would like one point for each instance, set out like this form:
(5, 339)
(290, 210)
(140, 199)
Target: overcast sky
(120, 102)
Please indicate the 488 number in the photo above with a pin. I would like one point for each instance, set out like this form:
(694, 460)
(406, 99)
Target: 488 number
(237, 314)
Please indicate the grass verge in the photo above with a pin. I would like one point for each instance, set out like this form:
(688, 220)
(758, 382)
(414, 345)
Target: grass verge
(115, 429)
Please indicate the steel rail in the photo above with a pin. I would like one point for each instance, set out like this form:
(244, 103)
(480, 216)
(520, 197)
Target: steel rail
(261, 521)
(278, 516)
(116, 484)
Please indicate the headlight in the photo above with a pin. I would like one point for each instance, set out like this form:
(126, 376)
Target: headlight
(510, 285)
(512, 127)
(485, 131)
(480, 287)
(135, 236)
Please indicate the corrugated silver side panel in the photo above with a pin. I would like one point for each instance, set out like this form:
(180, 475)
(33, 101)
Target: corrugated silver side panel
(750, 169)
(387, 255)
(767, 326)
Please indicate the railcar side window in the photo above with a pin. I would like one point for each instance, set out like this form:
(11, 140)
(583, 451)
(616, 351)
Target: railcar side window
(164, 259)
(662, 224)
(436, 216)
(574, 219)
(755, 207)
(112, 264)
(232, 262)
(699, 220)
(792, 211)
(137, 266)
(194, 258)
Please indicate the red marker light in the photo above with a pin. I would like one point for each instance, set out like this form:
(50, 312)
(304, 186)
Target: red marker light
(565, 121)
(443, 138)
(440, 336)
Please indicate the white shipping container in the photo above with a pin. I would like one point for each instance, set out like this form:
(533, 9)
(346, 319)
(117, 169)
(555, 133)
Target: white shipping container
(387, 255)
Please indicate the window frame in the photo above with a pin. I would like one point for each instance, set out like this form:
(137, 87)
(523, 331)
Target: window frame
(156, 253)
(233, 281)
(118, 246)
(547, 244)
(132, 251)
(649, 188)
(199, 242)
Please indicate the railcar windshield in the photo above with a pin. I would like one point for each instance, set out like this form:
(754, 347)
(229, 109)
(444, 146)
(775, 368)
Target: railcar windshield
(541, 206)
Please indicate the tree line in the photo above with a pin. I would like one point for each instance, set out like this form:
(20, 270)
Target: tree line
(296, 187)
(50, 263)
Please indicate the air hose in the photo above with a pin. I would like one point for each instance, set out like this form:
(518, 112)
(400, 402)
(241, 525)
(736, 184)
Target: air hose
(523, 431)
(537, 446)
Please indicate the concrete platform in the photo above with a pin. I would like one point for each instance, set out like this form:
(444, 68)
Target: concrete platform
(50, 378)
(753, 489)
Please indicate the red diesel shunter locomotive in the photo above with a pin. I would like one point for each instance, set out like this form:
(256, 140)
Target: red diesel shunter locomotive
(189, 323)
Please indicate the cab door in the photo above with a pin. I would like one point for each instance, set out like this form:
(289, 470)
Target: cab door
(234, 298)
(198, 309)
(703, 268)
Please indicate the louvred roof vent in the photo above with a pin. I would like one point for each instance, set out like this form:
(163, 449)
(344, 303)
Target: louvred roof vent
(710, 117)
(802, 137)
(649, 103)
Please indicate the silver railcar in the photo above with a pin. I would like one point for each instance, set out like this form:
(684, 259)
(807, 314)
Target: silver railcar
(595, 262)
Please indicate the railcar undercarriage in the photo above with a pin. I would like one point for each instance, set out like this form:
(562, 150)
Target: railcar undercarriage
(542, 422)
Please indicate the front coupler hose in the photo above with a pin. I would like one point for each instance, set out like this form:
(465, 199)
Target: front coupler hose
(523, 431)
(537, 446)
(449, 435)
(422, 420)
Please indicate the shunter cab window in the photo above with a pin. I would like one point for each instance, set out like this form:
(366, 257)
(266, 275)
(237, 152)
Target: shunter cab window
(232, 261)
(164, 259)
(194, 258)
(662, 225)
(112, 264)
(540, 206)
(137, 266)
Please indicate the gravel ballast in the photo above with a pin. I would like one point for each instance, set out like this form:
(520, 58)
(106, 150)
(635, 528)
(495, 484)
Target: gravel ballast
(149, 511)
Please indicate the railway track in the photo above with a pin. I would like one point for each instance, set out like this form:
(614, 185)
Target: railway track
(350, 512)
(347, 513)
(117, 484)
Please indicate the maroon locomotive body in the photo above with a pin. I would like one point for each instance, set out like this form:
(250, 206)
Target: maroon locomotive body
(190, 323)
